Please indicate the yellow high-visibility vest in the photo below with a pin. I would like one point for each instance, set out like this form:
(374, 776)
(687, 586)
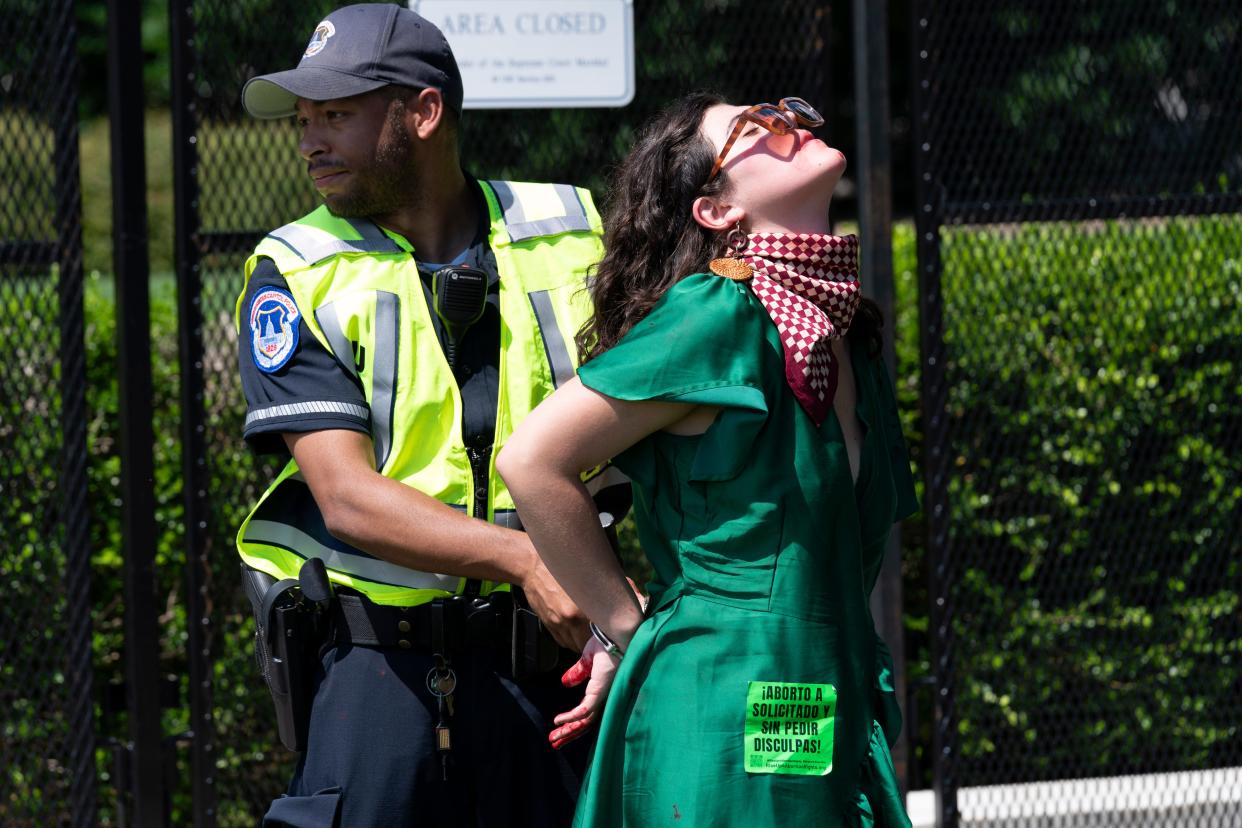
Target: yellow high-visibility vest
(358, 289)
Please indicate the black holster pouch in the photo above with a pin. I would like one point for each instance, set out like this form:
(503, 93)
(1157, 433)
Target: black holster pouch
(292, 622)
(533, 650)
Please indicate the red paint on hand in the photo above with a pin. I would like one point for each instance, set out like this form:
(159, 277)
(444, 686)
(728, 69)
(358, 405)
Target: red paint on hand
(567, 733)
(580, 672)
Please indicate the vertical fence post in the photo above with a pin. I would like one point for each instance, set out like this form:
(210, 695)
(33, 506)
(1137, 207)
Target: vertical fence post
(193, 448)
(131, 269)
(936, 450)
(875, 226)
(74, 458)
(874, 157)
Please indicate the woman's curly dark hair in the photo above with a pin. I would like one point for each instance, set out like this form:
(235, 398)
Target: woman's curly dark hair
(650, 236)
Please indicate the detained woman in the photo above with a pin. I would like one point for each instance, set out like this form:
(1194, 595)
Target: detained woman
(733, 371)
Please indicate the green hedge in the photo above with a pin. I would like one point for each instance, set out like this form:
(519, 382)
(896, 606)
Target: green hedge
(1095, 405)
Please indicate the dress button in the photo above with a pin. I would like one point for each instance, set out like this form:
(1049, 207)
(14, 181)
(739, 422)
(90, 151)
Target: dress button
(403, 626)
(480, 493)
(403, 644)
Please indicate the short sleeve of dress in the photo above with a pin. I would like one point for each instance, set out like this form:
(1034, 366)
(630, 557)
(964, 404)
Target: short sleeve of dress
(703, 343)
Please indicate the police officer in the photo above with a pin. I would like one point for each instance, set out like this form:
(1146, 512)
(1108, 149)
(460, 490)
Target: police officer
(390, 341)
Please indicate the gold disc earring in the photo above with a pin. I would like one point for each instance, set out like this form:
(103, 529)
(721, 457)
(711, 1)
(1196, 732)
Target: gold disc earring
(732, 266)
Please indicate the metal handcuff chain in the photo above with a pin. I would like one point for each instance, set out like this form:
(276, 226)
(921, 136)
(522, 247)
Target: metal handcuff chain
(611, 647)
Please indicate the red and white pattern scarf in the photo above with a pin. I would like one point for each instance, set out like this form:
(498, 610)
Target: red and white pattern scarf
(808, 282)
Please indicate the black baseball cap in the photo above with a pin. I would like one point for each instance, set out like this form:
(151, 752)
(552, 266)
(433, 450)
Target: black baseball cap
(356, 49)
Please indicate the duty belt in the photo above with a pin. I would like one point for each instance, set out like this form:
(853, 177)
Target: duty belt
(460, 620)
(448, 626)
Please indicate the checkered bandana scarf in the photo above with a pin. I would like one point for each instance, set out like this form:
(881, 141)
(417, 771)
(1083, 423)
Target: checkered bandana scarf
(809, 284)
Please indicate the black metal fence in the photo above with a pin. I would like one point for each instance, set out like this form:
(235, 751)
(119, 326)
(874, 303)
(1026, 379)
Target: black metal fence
(1079, 173)
(46, 723)
(1080, 268)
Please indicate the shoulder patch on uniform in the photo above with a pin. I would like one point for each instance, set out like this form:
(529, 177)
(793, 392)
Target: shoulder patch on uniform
(273, 328)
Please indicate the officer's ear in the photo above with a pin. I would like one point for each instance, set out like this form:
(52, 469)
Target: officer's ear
(426, 113)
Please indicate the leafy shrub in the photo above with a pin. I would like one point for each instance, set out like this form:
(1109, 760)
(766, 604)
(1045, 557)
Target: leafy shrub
(1096, 495)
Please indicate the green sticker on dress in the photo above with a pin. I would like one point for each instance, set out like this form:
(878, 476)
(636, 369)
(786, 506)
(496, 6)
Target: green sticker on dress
(789, 728)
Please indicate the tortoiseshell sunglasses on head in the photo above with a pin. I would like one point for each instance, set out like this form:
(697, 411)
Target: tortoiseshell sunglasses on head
(779, 119)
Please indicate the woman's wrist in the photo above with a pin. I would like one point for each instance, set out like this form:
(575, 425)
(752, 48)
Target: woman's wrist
(622, 626)
(611, 647)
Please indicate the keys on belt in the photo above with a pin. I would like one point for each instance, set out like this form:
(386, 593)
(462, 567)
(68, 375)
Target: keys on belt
(441, 682)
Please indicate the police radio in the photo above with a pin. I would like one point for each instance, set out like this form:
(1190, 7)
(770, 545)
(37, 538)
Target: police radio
(459, 295)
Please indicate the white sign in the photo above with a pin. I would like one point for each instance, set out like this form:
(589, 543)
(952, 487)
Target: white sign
(527, 54)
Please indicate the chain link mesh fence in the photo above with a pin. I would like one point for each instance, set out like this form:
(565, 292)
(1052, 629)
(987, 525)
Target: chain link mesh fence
(1081, 169)
(1081, 178)
(46, 722)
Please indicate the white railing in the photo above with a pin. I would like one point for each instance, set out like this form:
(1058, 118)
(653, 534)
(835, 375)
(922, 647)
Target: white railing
(1191, 799)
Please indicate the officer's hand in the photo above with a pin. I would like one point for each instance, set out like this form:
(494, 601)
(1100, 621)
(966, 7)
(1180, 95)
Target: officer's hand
(599, 667)
(555, 609)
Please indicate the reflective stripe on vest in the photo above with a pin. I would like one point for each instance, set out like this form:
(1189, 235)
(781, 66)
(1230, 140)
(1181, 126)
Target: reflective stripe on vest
(553, 343)
(364, 302)
(532, 210)
(288, 519)
(372, 569)
(312, 245)
(383, 368)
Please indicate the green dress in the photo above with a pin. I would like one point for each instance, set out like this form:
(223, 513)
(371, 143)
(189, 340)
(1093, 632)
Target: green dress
(757, 692)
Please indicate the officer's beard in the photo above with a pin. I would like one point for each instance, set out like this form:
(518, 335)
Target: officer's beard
(389, 183)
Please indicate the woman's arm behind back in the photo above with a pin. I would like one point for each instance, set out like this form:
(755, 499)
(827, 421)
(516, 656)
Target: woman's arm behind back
(574, 430)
